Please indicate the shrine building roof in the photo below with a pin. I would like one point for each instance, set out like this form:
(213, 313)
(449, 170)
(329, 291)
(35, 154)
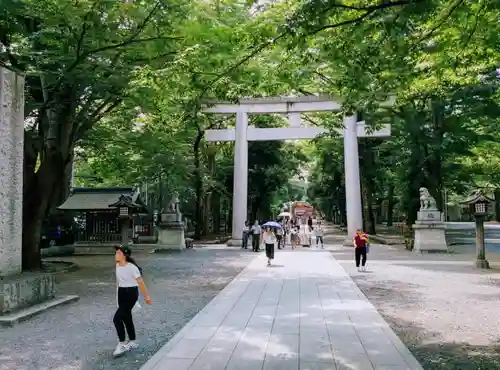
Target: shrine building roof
(100, 199)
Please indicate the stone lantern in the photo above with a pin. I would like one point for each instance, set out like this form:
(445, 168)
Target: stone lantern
(125, 207)
(478, 204)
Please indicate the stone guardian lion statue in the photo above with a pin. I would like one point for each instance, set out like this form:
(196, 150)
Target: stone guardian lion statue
(427, 201)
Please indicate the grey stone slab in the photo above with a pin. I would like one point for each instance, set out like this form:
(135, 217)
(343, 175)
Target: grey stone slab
(211, 359)
(318, 350)
(307, 365)
(245, 365)
(281, 364)
(354, 364)
(282, 346)
(405, 352)
(313, 323)
(373, 336)
(343, 335)
(385, 355)
(286, 328)
(187, 348)
(348, 349)
(260, 321)
(309, 336)
(209, 319)
(173, 363)
(228, 333)
(238, 318)
(252, 345)
(201, 332)
(393, 367)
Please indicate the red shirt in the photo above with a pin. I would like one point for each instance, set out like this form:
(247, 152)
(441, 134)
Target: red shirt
(360, 240)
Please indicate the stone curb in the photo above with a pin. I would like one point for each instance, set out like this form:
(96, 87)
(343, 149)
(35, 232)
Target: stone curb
(12, 319)
(70, 267)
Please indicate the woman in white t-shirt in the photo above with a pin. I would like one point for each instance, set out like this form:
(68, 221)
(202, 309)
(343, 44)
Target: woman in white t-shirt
(128, 282)
(269, 239)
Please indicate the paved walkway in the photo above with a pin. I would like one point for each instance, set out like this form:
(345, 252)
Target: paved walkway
(303, 313)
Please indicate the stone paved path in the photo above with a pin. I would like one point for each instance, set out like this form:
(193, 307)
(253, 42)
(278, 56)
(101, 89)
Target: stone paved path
(304, 313)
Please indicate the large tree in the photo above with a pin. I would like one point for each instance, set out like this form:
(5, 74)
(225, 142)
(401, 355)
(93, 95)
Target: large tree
(78, 58)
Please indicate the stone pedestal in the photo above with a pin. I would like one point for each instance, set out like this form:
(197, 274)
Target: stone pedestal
(429, 233)
(171, 233)
(234, 242)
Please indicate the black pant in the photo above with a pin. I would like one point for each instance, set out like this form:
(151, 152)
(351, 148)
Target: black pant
(279, 240)
(127, 297)
(255, 242)
(360, 252)
(244, 241)
(270, 251)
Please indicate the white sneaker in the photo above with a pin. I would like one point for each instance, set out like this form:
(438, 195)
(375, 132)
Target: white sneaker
(120, 349)
(132, 345)
(363, 268)
(359, 269)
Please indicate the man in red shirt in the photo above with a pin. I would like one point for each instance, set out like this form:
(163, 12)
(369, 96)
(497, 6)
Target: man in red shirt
(360, 249)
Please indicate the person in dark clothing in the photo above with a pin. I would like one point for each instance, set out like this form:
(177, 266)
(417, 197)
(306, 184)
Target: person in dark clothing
(310, 223)
(245, 234)
(360, 249)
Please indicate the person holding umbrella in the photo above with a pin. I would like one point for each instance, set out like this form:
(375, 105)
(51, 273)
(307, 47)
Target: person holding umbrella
(269, 239)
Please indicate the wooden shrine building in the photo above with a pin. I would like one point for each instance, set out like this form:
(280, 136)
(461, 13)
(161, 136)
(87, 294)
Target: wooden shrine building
(96, 217)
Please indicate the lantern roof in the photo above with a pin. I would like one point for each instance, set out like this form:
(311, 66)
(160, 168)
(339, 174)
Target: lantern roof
(479, 196)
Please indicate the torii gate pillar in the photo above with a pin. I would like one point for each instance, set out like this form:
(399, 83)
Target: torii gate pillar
(240, 180)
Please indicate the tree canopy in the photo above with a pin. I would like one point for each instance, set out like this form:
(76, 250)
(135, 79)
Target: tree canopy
(116, 88)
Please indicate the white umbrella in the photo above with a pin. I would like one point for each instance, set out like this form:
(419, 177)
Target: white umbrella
(284, 214)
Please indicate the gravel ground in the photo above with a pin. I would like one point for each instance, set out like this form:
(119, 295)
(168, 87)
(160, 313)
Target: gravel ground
(441, 307)
(81, 335)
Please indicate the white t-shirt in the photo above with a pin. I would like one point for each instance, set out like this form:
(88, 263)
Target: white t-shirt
(127, 275)
(318, 231)
(256, 229)
(269, 238)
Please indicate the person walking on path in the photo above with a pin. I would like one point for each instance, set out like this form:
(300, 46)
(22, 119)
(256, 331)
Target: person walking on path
(245, 235)
(269, 239)
(310, 223)
(294, 236)
(128, 283)
(318, 232)
(279, 237)
(256, 230)
(360, 249)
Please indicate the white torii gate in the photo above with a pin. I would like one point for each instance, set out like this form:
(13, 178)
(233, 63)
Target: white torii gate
(293, 107)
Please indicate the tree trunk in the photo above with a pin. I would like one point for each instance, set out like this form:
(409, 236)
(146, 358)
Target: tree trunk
(36, 205)
(390, 205)
(497, 204)
(370, 214)
(198, 184)
(216, 211)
